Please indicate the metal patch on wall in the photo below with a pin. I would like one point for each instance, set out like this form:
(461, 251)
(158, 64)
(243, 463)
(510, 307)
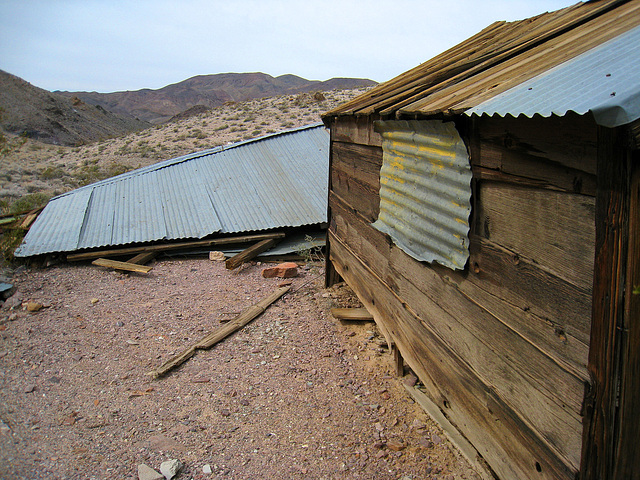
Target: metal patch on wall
(425, 190)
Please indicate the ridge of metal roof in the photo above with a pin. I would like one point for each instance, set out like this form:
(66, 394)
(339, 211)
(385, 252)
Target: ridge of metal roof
(603, 81)
(497, 59)
(274, 181)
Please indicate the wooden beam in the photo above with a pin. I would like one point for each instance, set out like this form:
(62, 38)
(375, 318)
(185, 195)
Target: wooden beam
(143, 258)
(211, 339)
(118, 252)
(606, 353)
(131, 267)
(628, 451)
(355, 314)
(463, 445)
(249, 253)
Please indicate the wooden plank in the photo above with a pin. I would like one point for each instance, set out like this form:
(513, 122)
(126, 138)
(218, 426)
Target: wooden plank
(361, 197)
(508, 444)
(355, 130)
(520, 282)
(131, 267)
(607, 349)
(352, 314)
(143, 258)
(249, 253)
(217, 336)
(118, 252)
(515, 146)
(452, 433)
(543, 390)
(562, 225)
(360, 162)
(545, 310)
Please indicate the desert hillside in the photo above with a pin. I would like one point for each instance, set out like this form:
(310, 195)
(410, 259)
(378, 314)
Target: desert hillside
(208, 91)
(35, 113)
(32, 171)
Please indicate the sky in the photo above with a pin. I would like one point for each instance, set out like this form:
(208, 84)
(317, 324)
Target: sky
(116, 45)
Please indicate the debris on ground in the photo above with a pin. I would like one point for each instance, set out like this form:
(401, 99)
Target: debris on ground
(290, 395)
(282, 270)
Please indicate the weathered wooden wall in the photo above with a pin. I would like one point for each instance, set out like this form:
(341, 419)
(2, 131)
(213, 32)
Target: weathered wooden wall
(501, 347)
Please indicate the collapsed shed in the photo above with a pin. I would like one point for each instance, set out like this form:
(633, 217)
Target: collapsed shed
(278, 181)
(484, 206)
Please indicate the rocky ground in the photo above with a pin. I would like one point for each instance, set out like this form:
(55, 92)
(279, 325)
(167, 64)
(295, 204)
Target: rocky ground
(294, 394)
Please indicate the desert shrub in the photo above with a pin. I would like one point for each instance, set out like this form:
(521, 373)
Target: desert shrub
(117, 169)
(9, 241)
(50, 173)
(29, 202)
(256, 132)
(221, 127)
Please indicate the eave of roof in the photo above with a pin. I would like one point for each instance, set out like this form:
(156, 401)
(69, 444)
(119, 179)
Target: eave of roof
(495, 60)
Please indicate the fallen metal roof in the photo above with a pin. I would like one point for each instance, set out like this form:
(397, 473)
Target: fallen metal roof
(604, 80)
(274, 181)
(502, 57)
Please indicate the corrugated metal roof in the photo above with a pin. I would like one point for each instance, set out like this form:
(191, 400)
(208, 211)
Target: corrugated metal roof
(604, 80)
(499, 58)
(425, 190)
(275, 181)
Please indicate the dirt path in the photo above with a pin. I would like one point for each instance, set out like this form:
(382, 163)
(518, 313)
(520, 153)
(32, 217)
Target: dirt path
(295, 394)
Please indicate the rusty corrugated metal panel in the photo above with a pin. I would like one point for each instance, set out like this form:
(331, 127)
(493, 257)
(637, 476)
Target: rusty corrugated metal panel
(495, 60)
(275, 181)
(425, 190)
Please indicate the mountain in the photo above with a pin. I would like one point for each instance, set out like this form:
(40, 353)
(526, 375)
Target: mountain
(58, 119)
(208, 91)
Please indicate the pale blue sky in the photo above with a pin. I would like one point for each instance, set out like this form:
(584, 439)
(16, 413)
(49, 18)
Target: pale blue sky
(112, 45)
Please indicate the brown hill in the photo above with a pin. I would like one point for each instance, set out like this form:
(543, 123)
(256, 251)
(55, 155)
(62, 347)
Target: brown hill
(210, 91)
(53, 118)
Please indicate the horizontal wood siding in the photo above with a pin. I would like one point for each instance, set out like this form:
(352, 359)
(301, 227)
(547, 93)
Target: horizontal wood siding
(499, 435)
(502, 346)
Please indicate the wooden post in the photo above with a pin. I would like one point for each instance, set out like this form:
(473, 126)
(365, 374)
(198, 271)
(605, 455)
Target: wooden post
(627, 460)
(608, 356)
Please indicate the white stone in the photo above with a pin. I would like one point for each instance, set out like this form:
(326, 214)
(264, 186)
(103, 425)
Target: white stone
(170, 468)
(206, 469)
(147, 473)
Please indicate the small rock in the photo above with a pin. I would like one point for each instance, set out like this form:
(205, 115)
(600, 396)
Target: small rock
(29, 388)
(170, 468)
(34, 306)
(225, 413)
(206, 469)
(283, 270)
(410, 380)
(216, 256)
(14, 301)
(396, 445)
(94, 301)
(436, 439)
(119, 324)
(200, 379)
(13, 317)
(147, 473)
(163, 443)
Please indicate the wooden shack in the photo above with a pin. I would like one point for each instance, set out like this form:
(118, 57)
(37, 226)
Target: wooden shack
(484, 208)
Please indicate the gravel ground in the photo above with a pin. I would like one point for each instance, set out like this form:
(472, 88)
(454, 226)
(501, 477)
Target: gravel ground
(294, 394)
